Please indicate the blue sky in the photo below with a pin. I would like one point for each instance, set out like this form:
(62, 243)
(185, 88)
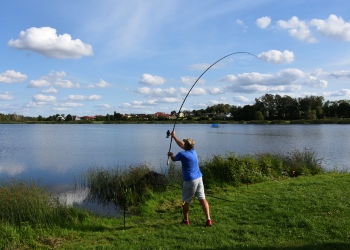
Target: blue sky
(89, 57)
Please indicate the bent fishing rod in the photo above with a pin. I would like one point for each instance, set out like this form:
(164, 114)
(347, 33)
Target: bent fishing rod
(171, 139)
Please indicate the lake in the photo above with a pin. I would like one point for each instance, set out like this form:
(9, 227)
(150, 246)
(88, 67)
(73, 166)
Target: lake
(54, 154)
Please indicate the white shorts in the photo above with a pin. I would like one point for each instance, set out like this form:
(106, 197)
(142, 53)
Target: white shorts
(193, 188)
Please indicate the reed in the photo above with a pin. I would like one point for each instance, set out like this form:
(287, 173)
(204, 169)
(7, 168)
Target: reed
(125, 188)
(25, 203)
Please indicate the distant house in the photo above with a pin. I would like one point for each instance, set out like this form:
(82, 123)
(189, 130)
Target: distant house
(224, 116)
(159, 114)
(60, 118)
(143, 116)
(89, 118)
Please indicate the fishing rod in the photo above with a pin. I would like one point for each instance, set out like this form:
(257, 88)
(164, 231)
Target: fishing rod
(168, 132)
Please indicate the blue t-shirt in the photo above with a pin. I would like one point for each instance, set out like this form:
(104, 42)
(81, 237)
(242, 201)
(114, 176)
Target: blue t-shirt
(190, 167)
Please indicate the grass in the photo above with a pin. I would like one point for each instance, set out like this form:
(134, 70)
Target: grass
(311, 211)
(299, 213)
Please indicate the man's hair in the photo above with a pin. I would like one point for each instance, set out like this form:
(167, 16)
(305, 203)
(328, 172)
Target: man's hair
(189, 143)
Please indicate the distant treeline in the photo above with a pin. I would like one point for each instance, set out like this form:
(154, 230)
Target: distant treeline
(266, 108)
(276, 107)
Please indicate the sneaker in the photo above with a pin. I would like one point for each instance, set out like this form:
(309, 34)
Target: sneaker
(185, 222)
(209, 223)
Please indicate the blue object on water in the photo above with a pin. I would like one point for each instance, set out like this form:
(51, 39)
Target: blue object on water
(215, 125)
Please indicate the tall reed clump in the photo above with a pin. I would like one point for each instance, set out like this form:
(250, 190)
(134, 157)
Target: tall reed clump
(125, 188)
(25, 203)
(303, 162)
(237, 170)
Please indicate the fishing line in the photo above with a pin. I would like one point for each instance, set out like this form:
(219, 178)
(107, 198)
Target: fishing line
(171, 139)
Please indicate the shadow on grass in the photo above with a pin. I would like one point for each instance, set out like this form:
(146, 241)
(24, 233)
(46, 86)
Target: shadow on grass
(99, 228)
(324, 246)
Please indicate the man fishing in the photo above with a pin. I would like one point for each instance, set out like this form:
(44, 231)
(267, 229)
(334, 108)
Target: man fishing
(192, 178)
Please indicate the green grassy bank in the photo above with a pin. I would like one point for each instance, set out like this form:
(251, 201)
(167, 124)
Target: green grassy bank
(298, 213)
(311, 211)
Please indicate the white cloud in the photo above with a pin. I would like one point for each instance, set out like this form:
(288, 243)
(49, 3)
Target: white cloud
(6, 96)
(39, 83)
(43, 98)
(157, 92)
(11, 76)
(76, 98)
(45, 41)
(83, 98)
(314, 82)
(94, 97)
(189, 80)
(168, 100)
(135, 105)
(342, 92)
(66, 84)
(101, 84)
(198, 91)
(287, 80)
(283, 77)
(240, 98)
(69, 104)
(215, 91)
(36, 104)
(340, 74)
(103, 106)
(148, 79)
(277, 57)
(263, 22)
(241, 23)
(333, 27)
(298, 29)
(50, 90)
(53, 78)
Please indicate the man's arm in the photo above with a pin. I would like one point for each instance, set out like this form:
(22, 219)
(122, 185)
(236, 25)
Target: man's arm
(178, 142)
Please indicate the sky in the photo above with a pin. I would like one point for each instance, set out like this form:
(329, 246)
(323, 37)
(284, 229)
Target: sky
(93, 57)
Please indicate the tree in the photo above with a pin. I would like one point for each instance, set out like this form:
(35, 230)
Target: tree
(292, 108)
(330, 109)
(343, 109)
(259, 115)
(117, 116)
(69, 118)
(267, 103)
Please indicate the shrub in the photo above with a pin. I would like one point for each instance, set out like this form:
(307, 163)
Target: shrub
(230, 170)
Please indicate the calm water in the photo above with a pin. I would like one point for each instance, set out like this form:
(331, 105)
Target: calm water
(54, 154)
